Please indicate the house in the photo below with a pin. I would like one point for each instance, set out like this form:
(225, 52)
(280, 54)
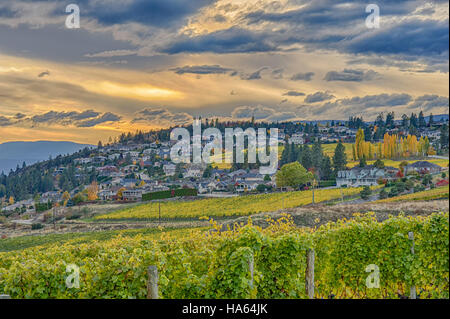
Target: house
(169, 169)
(132, 195)
(246, 186)
(114, 156)
(129, 182)
(106, 194)
(82, 161)
(423, 167)
(217, 186)
(130, 169)
(51, 196)
(195, 171)
(296, 139)
(361, 176)
(250, 177)
(202, 188)
(237, 173)
(441, 183)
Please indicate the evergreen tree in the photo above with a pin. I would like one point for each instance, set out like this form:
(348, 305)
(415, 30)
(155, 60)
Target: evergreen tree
(339, 158)
(326, 171)
(422, 122)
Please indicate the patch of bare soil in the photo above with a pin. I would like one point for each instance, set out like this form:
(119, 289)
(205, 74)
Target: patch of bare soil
(315, 215)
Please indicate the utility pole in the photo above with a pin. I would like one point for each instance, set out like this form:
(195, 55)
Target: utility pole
(54, 218)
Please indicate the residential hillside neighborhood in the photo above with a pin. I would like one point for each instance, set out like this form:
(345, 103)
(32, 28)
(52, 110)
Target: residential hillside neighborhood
(135, 165)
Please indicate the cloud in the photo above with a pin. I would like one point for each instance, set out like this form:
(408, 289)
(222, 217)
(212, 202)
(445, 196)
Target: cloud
(349, 75)
(19, 116)
(105, 118)
(201, 69)
(378, 100)
(155, 13)
(162, 117)
(4, 121)
(318, 97)
(232, 40)
(261, 113)
(253, 76)
(302, 76)
(42, 74)
(277, 74)
(88, 118)
(293, 93)
(429, 101)
(111, 54)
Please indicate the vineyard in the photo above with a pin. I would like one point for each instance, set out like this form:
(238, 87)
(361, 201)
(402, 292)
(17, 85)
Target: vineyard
(431, 194)
(198, 264)
(226, 207)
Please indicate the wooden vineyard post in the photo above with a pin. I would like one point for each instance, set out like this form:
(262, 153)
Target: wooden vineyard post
(251, 265)
(309, 282)
(159, 209)
(152, 283)
(412, 289)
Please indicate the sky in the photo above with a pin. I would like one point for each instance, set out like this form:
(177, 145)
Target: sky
(146, 64)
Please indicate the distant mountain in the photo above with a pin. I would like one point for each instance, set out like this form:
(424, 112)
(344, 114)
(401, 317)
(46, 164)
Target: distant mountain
(15, 153)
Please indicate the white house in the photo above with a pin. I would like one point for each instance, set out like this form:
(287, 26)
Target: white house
(296, 139)
(169, 169)
(360, 176)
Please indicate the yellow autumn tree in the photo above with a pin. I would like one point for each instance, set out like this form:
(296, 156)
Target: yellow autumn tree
(92, 191)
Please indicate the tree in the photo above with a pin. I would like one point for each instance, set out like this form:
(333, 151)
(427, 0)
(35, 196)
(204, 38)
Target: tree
(293, 175)
(339, 158)
(402, 166)
(422, 122)
(359, 143)
(306, 157)
(379, 164)
(444, 136)
(383, 194)
(362, 162)
(65, 198)
(92, 191)
(120, 193)
(261, 188)
(326, 171)
(366, 192)
(431, 120)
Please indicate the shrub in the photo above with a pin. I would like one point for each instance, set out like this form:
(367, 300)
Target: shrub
(36, 226)
(366, 192)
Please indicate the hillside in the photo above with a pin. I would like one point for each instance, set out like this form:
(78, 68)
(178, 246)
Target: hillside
(15, 153)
